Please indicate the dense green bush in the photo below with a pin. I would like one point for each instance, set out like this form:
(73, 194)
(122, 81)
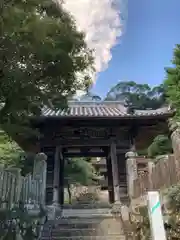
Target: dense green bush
(18, 223)
(161, 145)
(173, 205)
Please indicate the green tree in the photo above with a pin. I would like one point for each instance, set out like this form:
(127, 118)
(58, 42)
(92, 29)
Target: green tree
(11, 155)
(160, 145)
(41, 53)
(79, 170)
(172, 81)
(9, 151)
(141, 96)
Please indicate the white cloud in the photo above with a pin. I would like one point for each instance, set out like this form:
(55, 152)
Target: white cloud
(102, 23)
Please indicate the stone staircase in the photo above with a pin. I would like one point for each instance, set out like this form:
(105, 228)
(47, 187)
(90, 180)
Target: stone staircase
(85, 224)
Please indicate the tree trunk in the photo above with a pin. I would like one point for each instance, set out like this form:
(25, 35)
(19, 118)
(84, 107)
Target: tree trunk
(69, 193)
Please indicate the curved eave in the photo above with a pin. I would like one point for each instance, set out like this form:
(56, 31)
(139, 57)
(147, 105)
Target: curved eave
(123, 117)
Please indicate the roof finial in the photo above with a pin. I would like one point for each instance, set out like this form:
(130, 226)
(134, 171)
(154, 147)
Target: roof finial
(130, 107)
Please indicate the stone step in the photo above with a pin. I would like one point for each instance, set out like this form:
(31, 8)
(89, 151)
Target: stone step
(79, 221)
(64, 224)
(69, 230)
(68, 227)
(82, 206)
(70, 233)
(86, 228)
(91, 216)
(74, 232)
(116, 237)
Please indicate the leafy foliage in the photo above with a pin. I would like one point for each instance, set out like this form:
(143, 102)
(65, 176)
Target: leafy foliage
(172, 81)
(9, 151)
(18, 223)
(173, 205)
(173, 195)
(143, 152)
(141, 96)
(11, 155)
(139, 225)
(78, 170)
(41, 53)
(160, 145)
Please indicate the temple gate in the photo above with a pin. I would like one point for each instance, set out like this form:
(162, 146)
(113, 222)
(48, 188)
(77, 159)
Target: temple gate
(96, 129)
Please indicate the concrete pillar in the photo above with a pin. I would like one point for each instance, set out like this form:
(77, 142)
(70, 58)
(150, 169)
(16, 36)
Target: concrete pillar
(131, 172)
(56, 177)
(115, 173)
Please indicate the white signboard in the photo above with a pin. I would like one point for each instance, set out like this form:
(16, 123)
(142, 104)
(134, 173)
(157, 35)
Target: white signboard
(155, 216)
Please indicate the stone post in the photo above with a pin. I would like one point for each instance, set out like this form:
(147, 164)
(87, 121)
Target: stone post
(150, 169)
(39, 173)
(175, 137)
(115, 172)
(132, 173)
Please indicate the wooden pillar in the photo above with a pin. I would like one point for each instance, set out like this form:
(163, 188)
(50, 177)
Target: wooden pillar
(49, 174)
(115, 174)
(110, 180)
(56, 176)
(61, 179)
(122, 175)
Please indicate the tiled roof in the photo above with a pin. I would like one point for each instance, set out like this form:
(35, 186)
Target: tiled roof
(101, 109)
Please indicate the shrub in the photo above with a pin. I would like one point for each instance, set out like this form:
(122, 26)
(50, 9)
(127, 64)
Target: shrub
(161, 145)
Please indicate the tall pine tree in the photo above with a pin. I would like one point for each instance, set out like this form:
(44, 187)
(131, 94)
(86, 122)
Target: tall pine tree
(172, 81)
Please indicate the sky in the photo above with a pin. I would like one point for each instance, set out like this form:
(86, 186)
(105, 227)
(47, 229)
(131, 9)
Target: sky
(136, 49)
(146, 47)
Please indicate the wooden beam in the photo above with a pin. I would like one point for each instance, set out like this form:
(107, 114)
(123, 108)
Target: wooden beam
(83, 142)
(85, 154)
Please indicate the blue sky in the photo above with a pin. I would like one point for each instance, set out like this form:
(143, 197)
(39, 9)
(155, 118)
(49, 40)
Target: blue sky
(152, 30)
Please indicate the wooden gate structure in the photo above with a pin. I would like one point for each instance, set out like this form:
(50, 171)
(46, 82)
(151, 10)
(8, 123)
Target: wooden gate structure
(95, 129)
